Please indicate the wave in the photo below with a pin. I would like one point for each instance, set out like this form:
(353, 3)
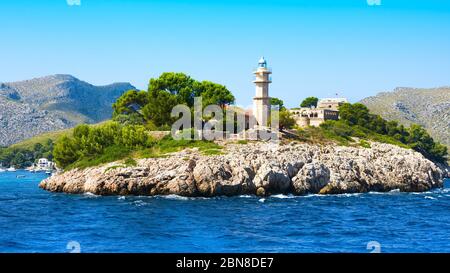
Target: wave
(139, 203)
(283, 196)
(245, 196)
(91, 195)
(175, 197)
(312, 195)
(349, 194)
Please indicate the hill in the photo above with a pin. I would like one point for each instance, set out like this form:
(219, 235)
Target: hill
(427, 107)
(50, 103)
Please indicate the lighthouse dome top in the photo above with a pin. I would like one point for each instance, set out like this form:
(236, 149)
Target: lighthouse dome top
(262, 62)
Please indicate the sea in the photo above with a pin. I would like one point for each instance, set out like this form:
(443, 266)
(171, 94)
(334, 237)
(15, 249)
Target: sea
(34, 220)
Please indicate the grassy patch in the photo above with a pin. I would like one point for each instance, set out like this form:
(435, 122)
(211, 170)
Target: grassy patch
(43, 138)
(168, 145)
(110, 154)
(212, 152)
(388, 139)
(317, 135)
(363, 143)
(130, 162)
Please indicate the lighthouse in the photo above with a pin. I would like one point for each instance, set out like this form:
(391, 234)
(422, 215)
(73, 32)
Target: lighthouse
(261, 101)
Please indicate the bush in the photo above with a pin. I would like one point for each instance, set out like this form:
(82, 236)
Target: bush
(374, 126)
(91, 145)
(110, 154)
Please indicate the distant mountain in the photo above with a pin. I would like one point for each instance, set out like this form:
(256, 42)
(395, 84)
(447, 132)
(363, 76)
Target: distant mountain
(32, 107)
(427, 107)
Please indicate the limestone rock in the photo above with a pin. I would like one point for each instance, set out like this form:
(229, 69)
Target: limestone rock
(261, 168)
(311, 178)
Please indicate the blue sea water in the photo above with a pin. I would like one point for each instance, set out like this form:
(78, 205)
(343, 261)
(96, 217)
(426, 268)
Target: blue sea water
(33, 220)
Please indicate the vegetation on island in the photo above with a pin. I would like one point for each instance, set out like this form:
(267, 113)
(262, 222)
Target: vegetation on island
(135, 114)
(91, 146)
(357, 122)
(152, 108)
(285, 119)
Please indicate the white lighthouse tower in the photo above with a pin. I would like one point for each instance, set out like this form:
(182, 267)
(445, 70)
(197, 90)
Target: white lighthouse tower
(261, 101)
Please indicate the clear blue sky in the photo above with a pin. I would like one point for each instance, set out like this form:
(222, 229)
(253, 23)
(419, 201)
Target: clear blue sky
(315, 47)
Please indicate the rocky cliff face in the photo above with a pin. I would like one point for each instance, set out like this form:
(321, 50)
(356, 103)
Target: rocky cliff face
(32, 107)
(427, 107)
(262, 169)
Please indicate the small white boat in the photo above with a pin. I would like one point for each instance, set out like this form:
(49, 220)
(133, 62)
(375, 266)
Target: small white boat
(48, 172)
(11, 169)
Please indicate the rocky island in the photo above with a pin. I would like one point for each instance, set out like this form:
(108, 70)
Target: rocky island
(260, 168)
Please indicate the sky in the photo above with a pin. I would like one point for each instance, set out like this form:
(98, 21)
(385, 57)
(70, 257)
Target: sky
(353, 48)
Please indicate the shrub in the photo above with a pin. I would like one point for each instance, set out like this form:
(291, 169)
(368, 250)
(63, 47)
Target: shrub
(92, 145)
(374, 126)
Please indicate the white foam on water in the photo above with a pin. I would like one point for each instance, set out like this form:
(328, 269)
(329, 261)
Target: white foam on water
(376, 192)
(283, 196)
(245, 196)
(429, 197)
(174, 197)
(139, 203)
(90, 195)
(349, 194)
(312, 195)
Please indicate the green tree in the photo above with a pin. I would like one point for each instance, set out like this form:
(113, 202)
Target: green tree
(421, 141)
(286, 120)
(178, 84)
(165, 92)
(354, 114)
(159, 108)
(309, 102)
(213, 94)
(65, 152)
(277, 102)
(124, 105)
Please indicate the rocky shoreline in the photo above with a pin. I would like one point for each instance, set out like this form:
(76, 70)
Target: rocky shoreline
(262, 169)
